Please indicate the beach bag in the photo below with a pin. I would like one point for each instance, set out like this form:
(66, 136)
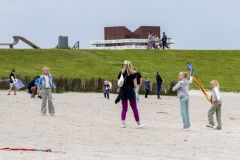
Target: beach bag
(121, 81)
(19, 84)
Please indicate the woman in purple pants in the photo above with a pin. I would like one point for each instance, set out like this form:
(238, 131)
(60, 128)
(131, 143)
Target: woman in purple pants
(127, 92)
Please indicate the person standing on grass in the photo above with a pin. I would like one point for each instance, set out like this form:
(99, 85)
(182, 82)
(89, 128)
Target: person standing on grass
(150, 40)
(164, 41)
(147, 87)
(182, 88)
(46, 84)
(12, 81)
(139, 83)
(127, 92)
(216, 106)
(159, 84)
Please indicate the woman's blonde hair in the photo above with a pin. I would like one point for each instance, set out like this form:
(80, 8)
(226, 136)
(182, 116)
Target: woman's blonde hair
(127, 66)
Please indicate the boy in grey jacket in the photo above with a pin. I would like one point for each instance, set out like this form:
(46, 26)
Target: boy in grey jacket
(46, 84)
(182, 88)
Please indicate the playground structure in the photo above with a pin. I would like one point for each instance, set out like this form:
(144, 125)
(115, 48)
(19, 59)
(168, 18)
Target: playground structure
(16, 40)
(76, 45)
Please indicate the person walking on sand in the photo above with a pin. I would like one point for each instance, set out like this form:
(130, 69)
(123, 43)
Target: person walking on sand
(159, 84)
(216, 106)
(182, 88)
(139, 83)
(127, 81)
(46, 84)
(147, 87)
(106, 89)
(12, 82)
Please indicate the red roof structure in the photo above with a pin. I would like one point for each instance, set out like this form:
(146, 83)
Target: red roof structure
(122, 32)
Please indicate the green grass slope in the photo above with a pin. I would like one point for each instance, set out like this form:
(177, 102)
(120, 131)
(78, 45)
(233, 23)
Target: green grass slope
(220, 65)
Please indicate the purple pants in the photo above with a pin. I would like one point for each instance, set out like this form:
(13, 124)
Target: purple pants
(133, 105)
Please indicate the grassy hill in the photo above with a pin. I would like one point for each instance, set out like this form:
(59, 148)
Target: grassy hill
(86, 64)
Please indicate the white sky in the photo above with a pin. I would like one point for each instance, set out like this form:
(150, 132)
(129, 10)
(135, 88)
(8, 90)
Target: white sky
(194, 24)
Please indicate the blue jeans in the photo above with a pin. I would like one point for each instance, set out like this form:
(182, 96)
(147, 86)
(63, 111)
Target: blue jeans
(184, 106)
(158, 89)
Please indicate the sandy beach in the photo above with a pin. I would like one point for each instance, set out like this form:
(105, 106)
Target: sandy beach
(87, 127)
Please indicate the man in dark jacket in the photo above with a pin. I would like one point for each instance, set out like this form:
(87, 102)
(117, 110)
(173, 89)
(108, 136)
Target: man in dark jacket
(159, 84)
(32, 87)
(164, 41)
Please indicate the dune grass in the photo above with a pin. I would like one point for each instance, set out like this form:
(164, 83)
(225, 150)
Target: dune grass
(86, 64)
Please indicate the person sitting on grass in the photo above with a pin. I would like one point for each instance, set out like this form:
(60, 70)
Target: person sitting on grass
(46, 84)
(12, 82)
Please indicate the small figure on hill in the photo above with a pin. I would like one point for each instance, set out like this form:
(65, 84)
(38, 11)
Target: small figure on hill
(150, 37)
(164, 41)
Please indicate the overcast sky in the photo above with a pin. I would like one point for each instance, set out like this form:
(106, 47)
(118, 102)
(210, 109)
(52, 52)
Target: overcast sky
(194, 24)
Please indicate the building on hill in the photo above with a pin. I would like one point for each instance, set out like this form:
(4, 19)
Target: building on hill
(121, 37)
(122, 32)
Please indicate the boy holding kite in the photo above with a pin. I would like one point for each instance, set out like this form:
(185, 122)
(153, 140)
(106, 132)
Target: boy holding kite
(215, 99)
(216, 106)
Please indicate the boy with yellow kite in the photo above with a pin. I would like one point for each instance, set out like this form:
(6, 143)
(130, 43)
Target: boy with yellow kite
(214, 100)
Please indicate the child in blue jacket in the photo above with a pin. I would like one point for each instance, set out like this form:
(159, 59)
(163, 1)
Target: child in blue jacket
(46, 84)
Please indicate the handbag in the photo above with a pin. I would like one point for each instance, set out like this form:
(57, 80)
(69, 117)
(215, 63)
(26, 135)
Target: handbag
(121, 81)
(19, 84)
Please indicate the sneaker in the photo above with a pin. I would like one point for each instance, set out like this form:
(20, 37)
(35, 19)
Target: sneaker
(218, 128)
(210, 126)
(123, 126)
(44, 114)
(186, 128)
(141, 126)
(52, 114)
(15, 94)
(8, 94)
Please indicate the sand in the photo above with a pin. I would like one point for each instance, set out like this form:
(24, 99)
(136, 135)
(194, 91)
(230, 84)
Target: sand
(87, 127)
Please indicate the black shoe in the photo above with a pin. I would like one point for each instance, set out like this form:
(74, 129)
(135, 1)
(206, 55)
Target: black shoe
(218, 128)
(210, 125)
